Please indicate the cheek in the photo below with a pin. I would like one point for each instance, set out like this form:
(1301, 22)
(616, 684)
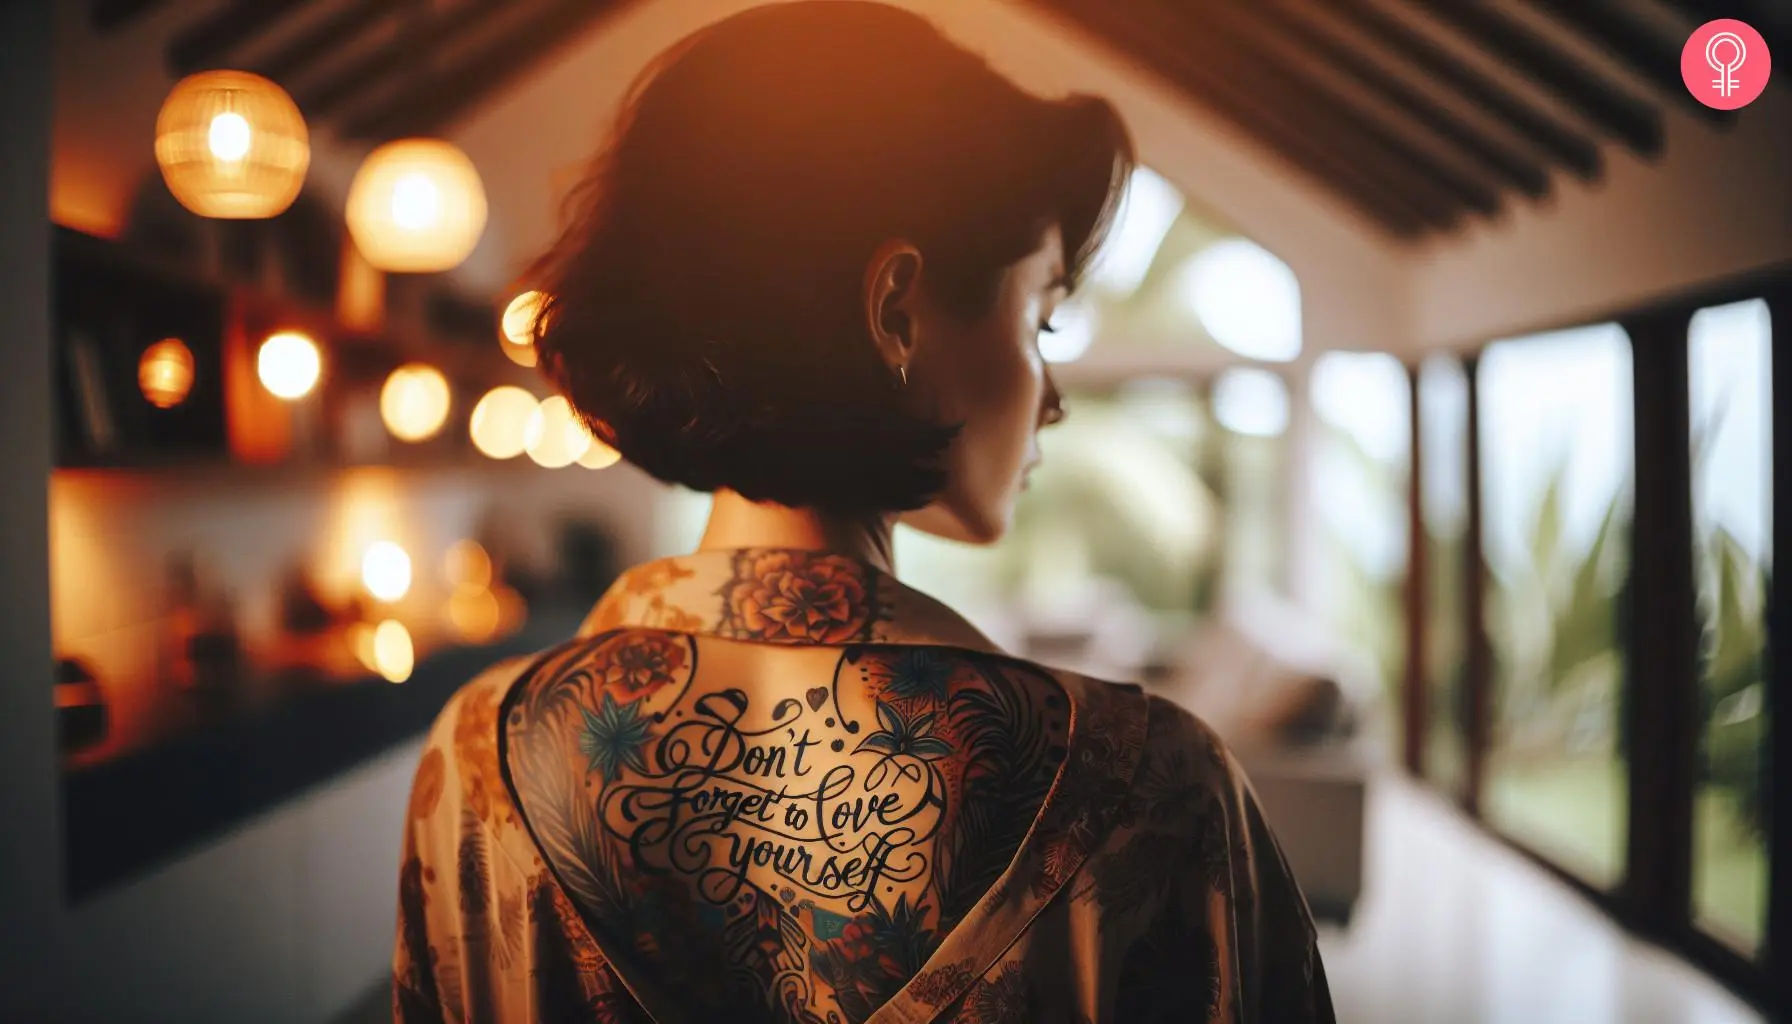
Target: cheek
(999, 406)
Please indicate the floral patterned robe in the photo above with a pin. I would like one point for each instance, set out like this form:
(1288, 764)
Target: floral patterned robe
(1146, 888)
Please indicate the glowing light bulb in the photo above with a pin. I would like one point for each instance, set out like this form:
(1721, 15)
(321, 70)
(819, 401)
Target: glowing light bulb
(500, 421)
(228, 137)
(393, 656)
(386, 571)
(554, 436)
(165, 373)
(416, 202)
(414, 402)
(289, 365)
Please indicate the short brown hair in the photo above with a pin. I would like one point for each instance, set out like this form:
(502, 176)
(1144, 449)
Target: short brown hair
(705, 312)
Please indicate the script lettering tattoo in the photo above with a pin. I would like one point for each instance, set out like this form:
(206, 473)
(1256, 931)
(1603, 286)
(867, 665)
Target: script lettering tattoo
(817, 848)
(727, 791)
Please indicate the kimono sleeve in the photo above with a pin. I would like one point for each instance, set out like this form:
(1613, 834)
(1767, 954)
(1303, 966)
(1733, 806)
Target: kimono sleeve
(423, 938)
(1282, 976)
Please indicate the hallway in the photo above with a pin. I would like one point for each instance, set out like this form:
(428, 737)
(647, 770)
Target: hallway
(1455, 927)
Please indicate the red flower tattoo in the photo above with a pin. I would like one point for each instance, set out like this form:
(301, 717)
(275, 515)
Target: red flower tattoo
(637, 664)
(794, 596)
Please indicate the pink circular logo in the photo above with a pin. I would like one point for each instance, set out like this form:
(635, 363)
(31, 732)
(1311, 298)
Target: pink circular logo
(1725, 64)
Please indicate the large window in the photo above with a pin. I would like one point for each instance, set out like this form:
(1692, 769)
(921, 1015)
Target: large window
(1251, 410)
(1443, 497)
(1557, 456)
(1362, 402)
(1731, 406)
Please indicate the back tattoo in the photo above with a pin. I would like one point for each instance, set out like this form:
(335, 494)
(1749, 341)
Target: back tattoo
(779, 845)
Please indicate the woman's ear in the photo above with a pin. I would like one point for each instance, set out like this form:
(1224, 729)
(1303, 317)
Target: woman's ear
(892, 293)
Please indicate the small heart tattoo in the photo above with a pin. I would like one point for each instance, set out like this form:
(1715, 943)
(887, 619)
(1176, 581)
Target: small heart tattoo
(817, 697)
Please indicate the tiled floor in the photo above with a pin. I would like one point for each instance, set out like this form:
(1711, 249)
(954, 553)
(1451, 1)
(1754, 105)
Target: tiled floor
(1455, 928)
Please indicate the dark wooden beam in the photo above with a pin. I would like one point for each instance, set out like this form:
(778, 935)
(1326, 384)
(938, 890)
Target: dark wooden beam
(436, 102)
(107, 16)
(1478, 672)
(1400, 202)
(1515, 169)
(1415, 683)
(1610, 27)
(328, 35)
(1309, 99)
(410, 55)
(1570, 148)
(1661, 655)
(1616, 112)
(1771, 18)
(210, 41)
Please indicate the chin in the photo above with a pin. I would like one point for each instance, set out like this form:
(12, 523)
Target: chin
(977, 526)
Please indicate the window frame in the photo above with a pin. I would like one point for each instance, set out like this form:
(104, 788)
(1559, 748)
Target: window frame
(1654, 899)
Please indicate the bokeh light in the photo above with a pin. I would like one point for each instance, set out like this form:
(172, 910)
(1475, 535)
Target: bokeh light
(165, 373)
(598, 455)
(500, 421)
(393, 656)
(416, 206)
(468, 565)
(475, 614)
(414, 402)
(554, 437)
(386, 571)
(516, 330)
(1246, 298)
(289, 365)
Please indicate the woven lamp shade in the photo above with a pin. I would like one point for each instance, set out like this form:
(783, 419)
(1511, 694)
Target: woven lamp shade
(417, 206)
(232, 145)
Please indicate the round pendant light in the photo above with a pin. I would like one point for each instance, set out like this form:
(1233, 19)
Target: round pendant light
(416, 206)
(232, 145)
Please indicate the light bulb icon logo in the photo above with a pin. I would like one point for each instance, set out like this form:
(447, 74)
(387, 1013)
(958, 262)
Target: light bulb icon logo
(1725, 64)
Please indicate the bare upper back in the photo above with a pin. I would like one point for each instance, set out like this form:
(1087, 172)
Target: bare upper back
(782, 832)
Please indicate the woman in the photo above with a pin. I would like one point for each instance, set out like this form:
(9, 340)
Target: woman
(766, 781)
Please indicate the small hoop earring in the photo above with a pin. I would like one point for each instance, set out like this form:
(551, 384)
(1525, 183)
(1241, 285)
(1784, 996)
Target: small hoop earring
(902, 371)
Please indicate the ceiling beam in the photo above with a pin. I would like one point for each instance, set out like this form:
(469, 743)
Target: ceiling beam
(408, 56)
(328, 35)
(108, 16)
(1567, 146)
(1636, 123)
(1515, 169)
(1607, 26)
(1401, 203)
(1291, 86)
(1771, 18)
(435, 101)
(208, 42)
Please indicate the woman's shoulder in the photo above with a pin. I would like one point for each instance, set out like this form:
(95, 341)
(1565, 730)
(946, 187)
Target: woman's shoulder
(1176, 748)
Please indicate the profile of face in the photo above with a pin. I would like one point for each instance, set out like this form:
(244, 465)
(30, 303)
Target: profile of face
(985, 374)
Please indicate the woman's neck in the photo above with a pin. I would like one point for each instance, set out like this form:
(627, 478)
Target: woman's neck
(735, 522)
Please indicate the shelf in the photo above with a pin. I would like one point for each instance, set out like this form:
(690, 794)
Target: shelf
(125, 817)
